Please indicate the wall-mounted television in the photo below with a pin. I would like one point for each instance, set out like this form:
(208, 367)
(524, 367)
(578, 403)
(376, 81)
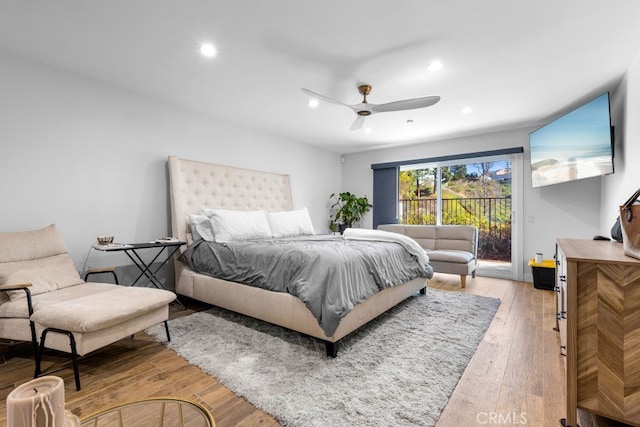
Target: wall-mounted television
(576, 145)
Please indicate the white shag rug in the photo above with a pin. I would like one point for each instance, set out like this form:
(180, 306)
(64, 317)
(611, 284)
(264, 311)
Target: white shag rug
(398, 370)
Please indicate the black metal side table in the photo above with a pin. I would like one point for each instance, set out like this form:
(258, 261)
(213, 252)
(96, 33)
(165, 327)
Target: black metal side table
(132, 251)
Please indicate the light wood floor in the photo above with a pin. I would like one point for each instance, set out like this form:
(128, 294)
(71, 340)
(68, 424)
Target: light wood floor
(515, 377)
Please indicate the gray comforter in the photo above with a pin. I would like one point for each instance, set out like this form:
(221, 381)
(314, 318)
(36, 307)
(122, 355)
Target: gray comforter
(328, 273)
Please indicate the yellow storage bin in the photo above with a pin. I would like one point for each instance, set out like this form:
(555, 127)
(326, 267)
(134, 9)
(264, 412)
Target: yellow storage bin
(544, 274)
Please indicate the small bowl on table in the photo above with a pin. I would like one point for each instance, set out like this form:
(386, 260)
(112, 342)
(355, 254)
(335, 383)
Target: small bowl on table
(104, 240)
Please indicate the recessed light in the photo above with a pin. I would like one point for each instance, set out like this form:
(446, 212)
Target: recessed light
(313, 103)
(367, 130)
(435, 66)
(466, 110)
(208, 50)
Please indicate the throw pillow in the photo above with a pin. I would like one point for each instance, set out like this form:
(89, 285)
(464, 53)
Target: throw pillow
(290, 223)
(229, 225)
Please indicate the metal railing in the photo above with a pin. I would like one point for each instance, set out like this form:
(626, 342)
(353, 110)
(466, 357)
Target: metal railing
(492, 216)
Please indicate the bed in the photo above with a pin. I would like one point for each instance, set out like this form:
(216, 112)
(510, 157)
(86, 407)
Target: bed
(194, 185)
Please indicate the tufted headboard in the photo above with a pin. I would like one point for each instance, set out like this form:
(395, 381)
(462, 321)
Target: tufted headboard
(196, 185)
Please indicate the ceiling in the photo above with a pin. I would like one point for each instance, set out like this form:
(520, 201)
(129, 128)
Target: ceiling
(514, 63)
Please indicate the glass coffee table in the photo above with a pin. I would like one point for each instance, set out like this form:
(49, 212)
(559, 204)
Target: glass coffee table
(153, 412)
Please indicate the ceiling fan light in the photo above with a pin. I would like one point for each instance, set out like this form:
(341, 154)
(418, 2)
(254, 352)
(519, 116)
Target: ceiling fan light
(435, 66)
(208, 50)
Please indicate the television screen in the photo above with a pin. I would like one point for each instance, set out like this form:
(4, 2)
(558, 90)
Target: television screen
(577, 145)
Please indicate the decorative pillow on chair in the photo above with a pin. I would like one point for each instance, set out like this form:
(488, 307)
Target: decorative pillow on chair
(38, 257)
(231, 225)
(61, 274)
(290, 223)
(32, 244)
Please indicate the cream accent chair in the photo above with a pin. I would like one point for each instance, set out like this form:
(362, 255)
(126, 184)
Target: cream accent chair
(42, 295)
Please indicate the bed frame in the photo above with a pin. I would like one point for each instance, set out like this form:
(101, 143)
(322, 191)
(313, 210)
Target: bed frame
(194, 185)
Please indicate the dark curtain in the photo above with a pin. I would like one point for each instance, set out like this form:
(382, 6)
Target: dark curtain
(385, 196)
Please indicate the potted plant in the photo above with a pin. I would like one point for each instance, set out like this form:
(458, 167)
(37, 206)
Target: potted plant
(349, 209)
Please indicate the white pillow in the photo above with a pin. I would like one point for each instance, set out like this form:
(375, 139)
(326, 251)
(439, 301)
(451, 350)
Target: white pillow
(290, 223)
(238, 225)
(201, 227)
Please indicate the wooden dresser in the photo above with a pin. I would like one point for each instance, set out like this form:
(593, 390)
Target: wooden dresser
(599, 322)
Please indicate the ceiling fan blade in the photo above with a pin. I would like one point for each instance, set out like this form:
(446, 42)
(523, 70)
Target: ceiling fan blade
(407, 104)
(324, 98)
(357, 124)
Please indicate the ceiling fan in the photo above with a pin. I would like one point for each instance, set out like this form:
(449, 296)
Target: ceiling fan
(365, 109)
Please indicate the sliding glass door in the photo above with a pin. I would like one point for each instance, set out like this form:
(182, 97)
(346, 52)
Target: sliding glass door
(476, 191)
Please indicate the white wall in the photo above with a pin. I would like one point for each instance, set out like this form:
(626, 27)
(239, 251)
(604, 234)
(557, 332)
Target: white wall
(564, 210)
(92, 159)
(617, 188)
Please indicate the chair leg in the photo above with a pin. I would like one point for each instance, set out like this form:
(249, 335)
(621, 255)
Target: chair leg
(463, 280)
(32, 326)
(38, 371)
(74, 353)
(34, 342)
(166, 328)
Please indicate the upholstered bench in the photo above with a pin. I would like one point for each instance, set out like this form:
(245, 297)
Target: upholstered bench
(49, 300)
(451, 249)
